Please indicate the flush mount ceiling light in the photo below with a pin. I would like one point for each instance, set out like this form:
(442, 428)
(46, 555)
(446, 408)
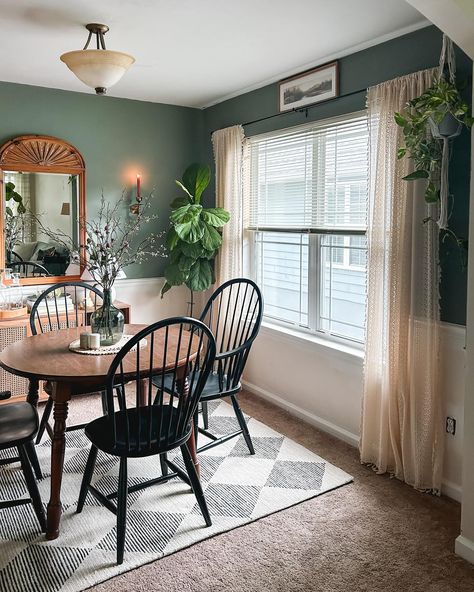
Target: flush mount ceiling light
(98, 68)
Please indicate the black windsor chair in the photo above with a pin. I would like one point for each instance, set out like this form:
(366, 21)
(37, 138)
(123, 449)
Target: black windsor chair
(145, 423)
(18, 426)
(58, 307)
(234, 314)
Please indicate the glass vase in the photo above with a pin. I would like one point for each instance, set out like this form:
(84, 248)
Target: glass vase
(108, 321)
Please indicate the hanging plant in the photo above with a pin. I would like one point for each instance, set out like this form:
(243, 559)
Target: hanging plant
(194, 237)
(429, 122)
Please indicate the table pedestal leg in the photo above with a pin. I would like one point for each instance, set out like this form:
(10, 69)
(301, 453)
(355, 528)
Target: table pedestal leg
(61, 396)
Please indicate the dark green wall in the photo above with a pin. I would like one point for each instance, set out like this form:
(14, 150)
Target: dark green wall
(388, 60)
(115, 136)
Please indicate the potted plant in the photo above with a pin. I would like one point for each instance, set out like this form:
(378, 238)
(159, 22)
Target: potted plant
(429, 122)
(194, 237)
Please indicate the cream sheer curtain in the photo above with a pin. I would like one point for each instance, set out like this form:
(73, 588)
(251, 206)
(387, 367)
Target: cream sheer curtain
(228, 155)
(401, 420)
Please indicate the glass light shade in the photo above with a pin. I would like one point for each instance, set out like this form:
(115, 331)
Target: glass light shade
(98, 68)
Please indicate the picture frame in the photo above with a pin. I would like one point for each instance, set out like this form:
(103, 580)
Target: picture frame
(310, 87)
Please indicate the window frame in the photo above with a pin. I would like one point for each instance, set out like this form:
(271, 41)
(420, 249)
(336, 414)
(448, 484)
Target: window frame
(315, 255)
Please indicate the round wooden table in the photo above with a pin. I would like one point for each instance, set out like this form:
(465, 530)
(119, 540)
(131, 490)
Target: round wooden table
(46, 357)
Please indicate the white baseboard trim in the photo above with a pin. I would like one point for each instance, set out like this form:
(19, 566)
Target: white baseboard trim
(448, 488)
(464, 547)
(323, 424)
(452, 490)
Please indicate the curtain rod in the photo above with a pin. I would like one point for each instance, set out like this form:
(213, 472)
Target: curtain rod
(301, 109)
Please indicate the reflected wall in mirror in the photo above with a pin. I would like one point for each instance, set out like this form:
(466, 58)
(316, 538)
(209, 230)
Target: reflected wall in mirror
(35, 202)
(43, 200)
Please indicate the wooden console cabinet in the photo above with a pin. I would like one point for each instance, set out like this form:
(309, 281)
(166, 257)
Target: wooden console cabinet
(16, 330)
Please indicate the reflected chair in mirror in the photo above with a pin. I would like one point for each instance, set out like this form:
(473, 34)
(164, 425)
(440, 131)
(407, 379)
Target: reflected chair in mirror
(18, 426)
(29, 269)
(62, 306)
(234, 314)
(151, 421)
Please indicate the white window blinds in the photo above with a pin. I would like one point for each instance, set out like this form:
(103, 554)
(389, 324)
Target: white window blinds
(312, 178)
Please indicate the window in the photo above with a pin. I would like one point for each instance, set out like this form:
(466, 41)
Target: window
(308, 204)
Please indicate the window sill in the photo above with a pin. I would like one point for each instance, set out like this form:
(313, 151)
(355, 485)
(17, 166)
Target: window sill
(309, 340)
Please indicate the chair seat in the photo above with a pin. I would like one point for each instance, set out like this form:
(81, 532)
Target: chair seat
(101, 432)
(18, 423)
(211, 389)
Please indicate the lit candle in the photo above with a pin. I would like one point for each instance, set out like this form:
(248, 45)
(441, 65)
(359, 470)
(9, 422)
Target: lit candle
(138, 186)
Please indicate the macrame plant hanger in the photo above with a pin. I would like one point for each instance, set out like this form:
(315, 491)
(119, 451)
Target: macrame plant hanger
(446, 62)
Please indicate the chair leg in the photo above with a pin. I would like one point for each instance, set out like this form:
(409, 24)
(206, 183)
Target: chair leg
(196, 426)
(242, 423)
(163, 463)
(31, 452)
(86, 479)
(121, 509)
(44, 419)
(32, 487)
(103, 396)
(195, 483)
(205, 414)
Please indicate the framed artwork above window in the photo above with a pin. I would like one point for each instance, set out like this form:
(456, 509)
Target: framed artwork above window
(307, 88)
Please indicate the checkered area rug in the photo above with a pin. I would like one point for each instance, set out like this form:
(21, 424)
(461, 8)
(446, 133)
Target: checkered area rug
(162, 519)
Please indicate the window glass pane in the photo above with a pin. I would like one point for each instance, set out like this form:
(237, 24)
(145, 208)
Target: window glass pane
(281, 261)
(343, 286)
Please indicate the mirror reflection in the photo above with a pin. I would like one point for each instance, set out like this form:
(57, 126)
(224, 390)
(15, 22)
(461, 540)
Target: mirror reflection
(38, 207)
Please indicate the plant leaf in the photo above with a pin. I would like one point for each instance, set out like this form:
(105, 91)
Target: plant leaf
(194, 250)
(185, 213)
(179, 184)
(420, 174)
(200, 276)
(190, 232)
(400, 120)
(196, 178)
(174, 275)
(431, 193)
(179, 202)
(211, 238)
(172, 239)
(216, 216)
(165, 287)
(401, 152)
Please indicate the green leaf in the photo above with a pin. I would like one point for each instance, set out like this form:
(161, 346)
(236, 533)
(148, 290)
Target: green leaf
(172, 239)
(9, 211)
(401, 152)
(185, 213)
(21, 209)
(174, 275)
(211, 238)
(165, 289)
(179, 202)
(194, 250)
(196, 178)
(179, 184)
(190, 232)
(420, 174)
(200, 276)
(431, 193)
(400, 120)
(216, 216)
(185, 263)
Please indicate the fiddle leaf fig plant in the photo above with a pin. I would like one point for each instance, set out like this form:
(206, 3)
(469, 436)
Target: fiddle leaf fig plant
(194, 237)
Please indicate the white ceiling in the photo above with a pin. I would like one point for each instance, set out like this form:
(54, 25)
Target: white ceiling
(194, 52)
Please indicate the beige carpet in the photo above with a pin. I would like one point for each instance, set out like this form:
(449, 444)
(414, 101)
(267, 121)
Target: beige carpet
(375, 534)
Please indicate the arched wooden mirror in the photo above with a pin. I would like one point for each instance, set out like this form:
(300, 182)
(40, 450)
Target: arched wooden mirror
(42, 197)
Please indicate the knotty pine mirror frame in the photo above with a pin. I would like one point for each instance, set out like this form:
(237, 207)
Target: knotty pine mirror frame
(43, 154)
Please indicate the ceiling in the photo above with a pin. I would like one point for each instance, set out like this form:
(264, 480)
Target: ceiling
(194, 52)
